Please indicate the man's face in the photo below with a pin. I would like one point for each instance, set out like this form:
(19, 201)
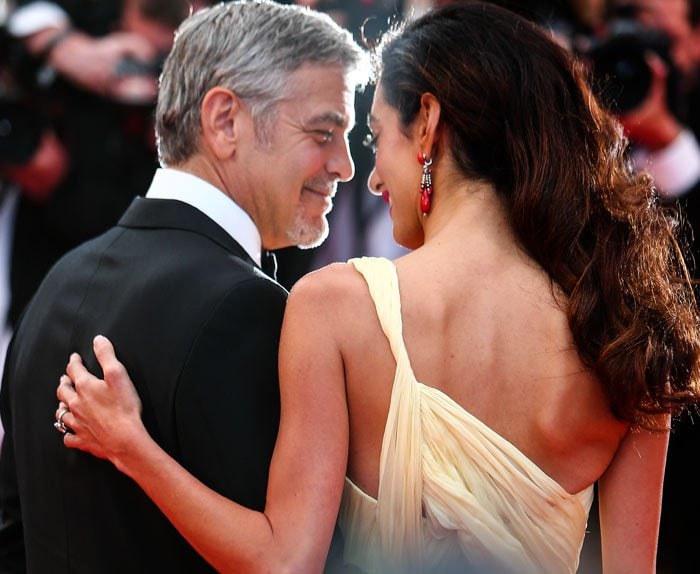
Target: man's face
(297, 171)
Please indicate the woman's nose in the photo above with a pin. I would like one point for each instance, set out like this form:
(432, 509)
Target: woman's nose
(373, 182)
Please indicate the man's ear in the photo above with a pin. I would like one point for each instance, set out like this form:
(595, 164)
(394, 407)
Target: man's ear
(429, 122)
(220, 117)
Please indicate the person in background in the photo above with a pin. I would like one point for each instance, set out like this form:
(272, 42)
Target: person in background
(662, 124)
(91, 69)
(457, 405)
(33, 162)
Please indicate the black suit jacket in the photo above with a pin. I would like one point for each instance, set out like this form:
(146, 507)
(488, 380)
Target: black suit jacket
(197, 325)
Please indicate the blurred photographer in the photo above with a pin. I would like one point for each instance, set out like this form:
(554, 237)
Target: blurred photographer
(93, 67)
(87, 43)
(32, 163)
(646, 64)
(31, 156)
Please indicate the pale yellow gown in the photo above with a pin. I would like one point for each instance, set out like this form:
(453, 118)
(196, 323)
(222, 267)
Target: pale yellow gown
(453, 494)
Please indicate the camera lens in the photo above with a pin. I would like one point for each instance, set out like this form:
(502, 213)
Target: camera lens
(624, 80)
(619, 60)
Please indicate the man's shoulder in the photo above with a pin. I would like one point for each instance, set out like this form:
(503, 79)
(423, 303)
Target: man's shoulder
(162, 267)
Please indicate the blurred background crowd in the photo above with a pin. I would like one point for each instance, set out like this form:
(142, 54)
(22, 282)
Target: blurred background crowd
(78, 80)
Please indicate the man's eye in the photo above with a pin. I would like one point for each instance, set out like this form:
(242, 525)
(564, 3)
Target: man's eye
(324, 135)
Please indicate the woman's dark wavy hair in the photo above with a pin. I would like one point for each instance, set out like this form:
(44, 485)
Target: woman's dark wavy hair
(517, 112)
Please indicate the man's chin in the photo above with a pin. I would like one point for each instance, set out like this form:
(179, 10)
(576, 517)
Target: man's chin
(315, 242)
(310, 238)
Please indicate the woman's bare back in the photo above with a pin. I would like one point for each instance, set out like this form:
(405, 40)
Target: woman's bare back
(491, 336)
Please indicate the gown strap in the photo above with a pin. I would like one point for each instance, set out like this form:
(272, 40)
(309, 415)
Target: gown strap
(383, 284)
(400, 465)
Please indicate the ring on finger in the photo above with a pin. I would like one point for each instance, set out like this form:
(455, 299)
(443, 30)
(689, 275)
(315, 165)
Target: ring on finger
(59, 425)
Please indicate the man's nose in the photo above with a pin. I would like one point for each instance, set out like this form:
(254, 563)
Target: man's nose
(341, 163)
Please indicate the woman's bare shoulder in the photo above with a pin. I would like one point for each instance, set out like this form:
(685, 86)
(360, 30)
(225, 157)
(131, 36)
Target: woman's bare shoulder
(333, 283)
(332, 306)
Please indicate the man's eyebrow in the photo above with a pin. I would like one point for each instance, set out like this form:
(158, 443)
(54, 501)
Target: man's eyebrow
(334, 118)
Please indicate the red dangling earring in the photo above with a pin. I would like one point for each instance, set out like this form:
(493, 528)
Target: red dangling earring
(426, 183)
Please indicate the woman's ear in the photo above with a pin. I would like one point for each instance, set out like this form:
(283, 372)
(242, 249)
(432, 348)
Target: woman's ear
(429, 122)
(220, 109)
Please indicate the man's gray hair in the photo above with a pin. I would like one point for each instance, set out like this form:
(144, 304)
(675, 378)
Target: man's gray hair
(249, 47)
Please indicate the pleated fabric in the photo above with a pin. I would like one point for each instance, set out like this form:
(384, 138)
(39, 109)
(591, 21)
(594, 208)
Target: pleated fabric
(454, 496)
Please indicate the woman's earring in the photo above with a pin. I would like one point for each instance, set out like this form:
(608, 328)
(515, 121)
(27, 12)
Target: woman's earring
(426, 183)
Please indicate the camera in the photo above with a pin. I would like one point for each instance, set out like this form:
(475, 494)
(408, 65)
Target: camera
(619, 65)
(133, 67)
(618, 59)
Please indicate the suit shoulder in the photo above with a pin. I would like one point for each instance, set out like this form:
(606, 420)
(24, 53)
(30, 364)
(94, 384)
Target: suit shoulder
(255, 285)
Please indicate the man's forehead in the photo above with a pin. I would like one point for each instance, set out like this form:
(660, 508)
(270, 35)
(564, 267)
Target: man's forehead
(324, 113)
(309, 75)
(321, 94)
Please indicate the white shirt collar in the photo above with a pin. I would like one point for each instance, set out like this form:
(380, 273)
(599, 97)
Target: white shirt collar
(171, 183)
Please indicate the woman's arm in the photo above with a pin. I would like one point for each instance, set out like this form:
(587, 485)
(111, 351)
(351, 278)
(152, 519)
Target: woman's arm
(308, 465)
(630, 502)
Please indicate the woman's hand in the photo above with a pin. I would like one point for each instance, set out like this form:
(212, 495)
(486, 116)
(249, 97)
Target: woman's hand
(104, 416)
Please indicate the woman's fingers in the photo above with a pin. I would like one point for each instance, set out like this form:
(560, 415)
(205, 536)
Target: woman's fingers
(112, 368)
(84, 442)
(61, 408)
(76, 370)
(59, 415)
(65, 391)
(94, 412)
